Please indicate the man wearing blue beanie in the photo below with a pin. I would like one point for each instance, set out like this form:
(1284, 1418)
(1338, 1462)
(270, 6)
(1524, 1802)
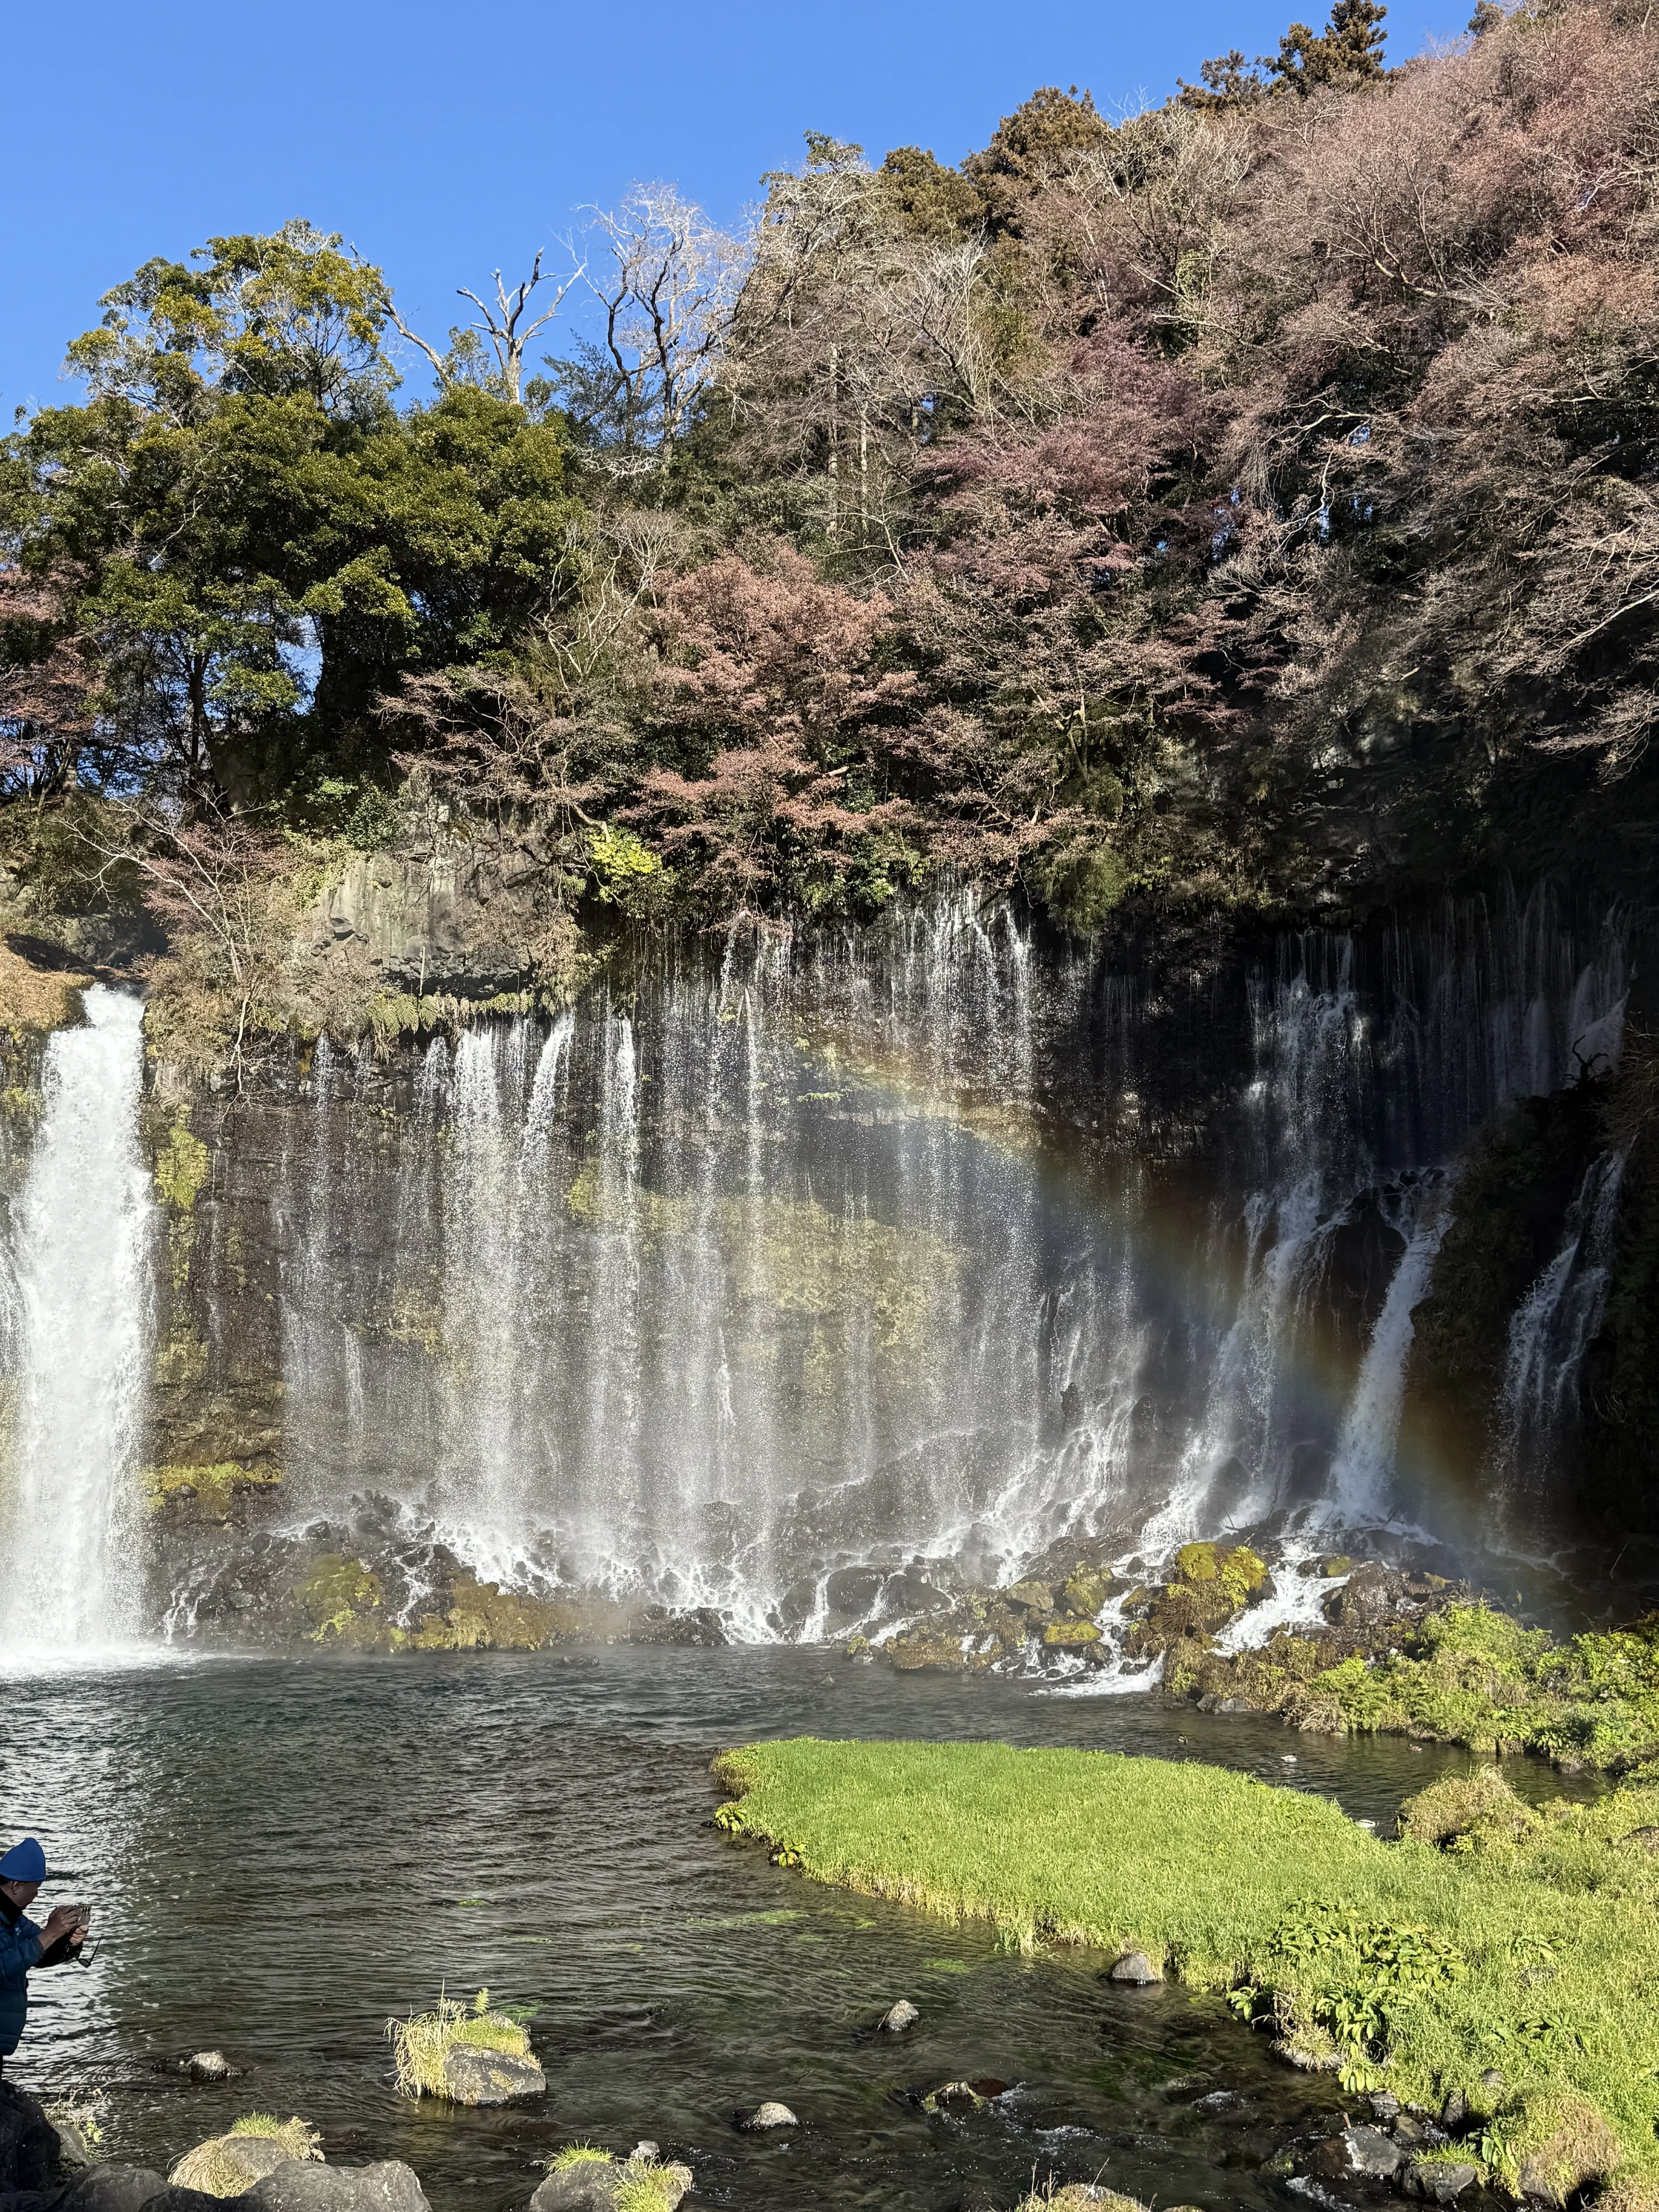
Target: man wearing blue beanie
(22, 1945)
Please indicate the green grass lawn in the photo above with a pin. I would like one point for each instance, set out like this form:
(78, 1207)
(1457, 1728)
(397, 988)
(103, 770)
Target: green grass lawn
(1489, 1941)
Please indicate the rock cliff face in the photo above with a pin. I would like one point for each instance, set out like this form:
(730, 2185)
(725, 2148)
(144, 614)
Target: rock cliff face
(467, 916)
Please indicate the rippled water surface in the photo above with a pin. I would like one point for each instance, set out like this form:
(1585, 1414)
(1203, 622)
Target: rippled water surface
(282, 1854)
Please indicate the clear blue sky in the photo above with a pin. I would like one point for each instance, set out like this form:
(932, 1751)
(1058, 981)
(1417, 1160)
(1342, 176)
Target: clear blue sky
(442, 140)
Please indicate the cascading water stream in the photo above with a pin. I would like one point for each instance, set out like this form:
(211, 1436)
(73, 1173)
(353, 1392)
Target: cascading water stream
(82, 1231)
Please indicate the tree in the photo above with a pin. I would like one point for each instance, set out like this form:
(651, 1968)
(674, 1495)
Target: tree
(501, 330)
(666, 280)
(249, 539)
(1349, 51)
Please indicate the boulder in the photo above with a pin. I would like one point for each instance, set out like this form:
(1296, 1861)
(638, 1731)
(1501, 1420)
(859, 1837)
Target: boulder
(1371, 2151)
(1370, 1596)
(771, 2114)
(1440, 2180)
(899, 2018)
(1135, 1968)
(302, 2186)
(1029, 1596)
(28, 2142)
(114, 2189)
(592, 2184)
(473, 2075)
(228, 2166)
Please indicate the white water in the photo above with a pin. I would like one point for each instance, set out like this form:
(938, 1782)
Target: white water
(81, 1327)
(1551, 1330)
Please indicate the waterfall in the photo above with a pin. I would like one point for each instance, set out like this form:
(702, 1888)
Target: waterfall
(1362, 1473)
(81, 1233)
(1538, 1403)
(820, 1267)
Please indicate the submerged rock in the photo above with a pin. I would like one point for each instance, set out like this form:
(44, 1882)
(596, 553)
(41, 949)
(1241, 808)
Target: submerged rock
(475, 2076)
(899, 2018)
(1135, 1969)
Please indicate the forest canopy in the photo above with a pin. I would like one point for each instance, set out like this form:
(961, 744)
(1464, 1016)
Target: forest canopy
(1247, 505)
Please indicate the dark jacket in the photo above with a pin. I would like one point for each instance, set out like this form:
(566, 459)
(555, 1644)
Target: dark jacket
(20, 1949)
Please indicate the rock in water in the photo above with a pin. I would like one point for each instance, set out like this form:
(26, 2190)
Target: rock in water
(28, 2142)
(1090, 2197)
(899, 2017)
(228, 2166)
(210, 2066)
(1135, 1968)
(593, 2184)
(473, 2075)
(1438, 2179)
(771, 2114)
(1371, 2151)
(386, 2186)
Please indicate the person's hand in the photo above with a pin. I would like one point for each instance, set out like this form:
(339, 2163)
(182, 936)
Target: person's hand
(63, 1920)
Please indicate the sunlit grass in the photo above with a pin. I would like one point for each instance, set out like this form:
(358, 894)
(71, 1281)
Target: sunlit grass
(1527, 1949)
(421, 2044)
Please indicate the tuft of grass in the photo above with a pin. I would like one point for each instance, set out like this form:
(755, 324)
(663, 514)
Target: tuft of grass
(645, 2185)
(212, 2168)
(579, 2154)
(1529, 1949)
(422, 2043)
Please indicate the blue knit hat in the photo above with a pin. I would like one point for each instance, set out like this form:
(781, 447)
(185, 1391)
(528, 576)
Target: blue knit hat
(24, 1861)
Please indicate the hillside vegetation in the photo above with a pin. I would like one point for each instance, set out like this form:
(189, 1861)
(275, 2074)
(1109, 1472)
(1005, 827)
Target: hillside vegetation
(1244, 508)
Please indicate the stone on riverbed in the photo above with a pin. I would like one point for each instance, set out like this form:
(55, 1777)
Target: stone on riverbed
(899, 2017)
(475, 2076)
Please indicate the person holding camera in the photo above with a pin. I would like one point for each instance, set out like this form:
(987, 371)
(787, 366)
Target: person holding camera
(23, 1947)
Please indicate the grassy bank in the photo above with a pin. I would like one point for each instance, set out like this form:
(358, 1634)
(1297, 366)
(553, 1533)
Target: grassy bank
(1507, 1955)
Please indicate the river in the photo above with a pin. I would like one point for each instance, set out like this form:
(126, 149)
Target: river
(282, 1854)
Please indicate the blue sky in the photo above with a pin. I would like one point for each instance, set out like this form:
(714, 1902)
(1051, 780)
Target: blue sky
(442, 140)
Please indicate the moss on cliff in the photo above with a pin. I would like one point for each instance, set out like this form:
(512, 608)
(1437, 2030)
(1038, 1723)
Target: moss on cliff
(183, 1164)
(482, 1617)
(209, 1490)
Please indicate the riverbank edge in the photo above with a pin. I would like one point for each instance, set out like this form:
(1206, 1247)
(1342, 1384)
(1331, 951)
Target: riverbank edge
(1506, 1980)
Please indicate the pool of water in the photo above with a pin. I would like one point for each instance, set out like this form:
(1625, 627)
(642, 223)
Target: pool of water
(283, 1853)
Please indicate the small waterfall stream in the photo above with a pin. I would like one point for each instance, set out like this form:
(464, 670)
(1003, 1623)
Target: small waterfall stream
(79, 1333)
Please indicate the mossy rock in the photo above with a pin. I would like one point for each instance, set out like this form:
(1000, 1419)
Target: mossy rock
(923, 1646)
(482, 1617)
(1070, 1635)
(1085, 1592)
(343, 1599)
